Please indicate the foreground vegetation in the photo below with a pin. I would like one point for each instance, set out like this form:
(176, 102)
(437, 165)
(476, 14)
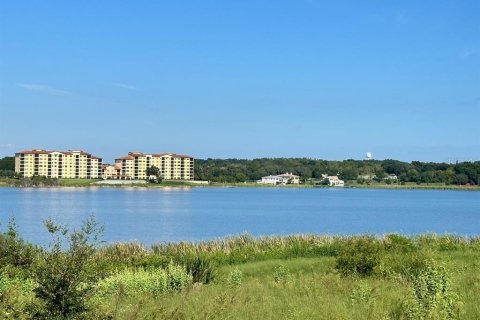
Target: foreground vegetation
(291, 277)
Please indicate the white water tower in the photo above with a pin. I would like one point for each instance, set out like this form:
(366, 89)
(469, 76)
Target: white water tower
(369, 156)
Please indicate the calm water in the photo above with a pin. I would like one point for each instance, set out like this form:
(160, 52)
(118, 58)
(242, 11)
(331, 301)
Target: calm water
(153, 215)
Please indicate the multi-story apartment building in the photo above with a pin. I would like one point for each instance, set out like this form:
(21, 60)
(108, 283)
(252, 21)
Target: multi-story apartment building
(173, 166)
(58, 164)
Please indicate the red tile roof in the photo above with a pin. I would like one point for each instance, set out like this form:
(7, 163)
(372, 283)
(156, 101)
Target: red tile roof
(174, 155)
(69, 152)
(126, 158)
(34, 151)
(142, 154)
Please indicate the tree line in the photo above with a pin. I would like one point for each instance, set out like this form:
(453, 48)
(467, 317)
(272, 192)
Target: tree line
(240, 170)
(7, 167)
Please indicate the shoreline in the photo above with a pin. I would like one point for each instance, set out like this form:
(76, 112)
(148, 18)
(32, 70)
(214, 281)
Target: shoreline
(84, 183)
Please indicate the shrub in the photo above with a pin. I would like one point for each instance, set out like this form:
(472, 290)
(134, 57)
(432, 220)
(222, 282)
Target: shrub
(17, 300)
(407, 264)
(16, 256)
(362, 293)
(235, 278)
(433, 297)
(178, 277)
(66, 278)
(359, 255)
(399, 243)
(131, 282)
(281, 274)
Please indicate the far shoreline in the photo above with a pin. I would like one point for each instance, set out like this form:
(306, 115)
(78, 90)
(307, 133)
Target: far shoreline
(87, 183)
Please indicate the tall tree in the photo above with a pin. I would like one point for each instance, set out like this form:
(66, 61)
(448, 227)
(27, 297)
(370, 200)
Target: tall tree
(154, 171)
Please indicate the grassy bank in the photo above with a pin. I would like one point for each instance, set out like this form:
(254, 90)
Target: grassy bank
(10, 182)
(301, 288)
(42, 182)
(412, 185)
(243, 277)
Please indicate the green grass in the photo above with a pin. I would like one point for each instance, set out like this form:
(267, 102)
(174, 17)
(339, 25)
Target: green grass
(311, 286)
(174, 183)
(76, 182)
(312, 291)
(412, 185)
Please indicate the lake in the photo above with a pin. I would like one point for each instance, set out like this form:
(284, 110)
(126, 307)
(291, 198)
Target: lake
(174, 214)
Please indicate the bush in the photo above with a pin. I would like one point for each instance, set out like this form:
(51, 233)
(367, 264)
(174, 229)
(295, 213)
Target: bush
(16, 256)
(178, 277)
(131, 282)
(235, 278)
(399, 243)
(65, 278)
(362, 293)
(433, 297)
(281, 274)
(359, 255)
(408, 264)
(17, 300)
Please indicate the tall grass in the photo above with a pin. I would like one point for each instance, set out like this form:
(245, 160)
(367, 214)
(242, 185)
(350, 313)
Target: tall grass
(241, 277)
(245, 248)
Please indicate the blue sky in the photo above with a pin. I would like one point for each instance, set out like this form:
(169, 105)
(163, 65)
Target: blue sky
(244, 79)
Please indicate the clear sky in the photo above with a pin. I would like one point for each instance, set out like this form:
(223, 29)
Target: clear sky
(244, 79)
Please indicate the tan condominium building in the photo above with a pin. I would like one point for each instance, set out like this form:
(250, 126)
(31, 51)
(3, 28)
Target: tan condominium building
(111, 171)
(172, 166)
(58, 164)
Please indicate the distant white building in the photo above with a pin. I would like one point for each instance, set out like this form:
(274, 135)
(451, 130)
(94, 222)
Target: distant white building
(291, 178)
(286, 178)
(391, 177)
(334, 181)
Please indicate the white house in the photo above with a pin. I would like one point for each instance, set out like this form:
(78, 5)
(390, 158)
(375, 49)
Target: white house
(334, 181)
(290, 177)
(271, 180)
(286, 178)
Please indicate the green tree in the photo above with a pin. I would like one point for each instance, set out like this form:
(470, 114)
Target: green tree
(349, 174)
(66, 278)
(7, 163)
(461, 179)
(156, 172)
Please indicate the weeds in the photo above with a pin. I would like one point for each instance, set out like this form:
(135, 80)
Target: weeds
(281, 274)
(433, 297)
(235, 278)
(131, 282)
